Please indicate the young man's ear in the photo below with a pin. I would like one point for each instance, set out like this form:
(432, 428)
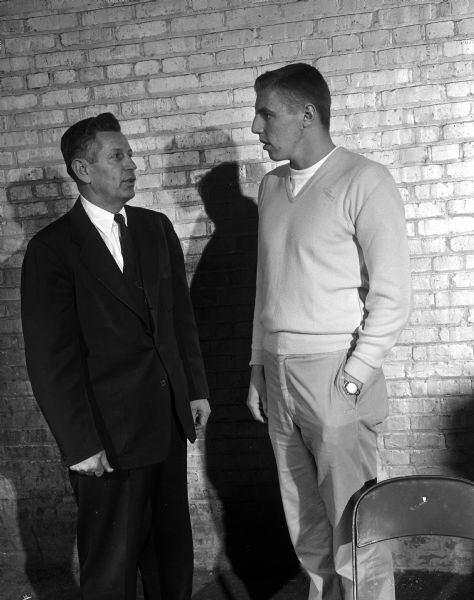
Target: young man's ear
(310, 115)
(80, 166)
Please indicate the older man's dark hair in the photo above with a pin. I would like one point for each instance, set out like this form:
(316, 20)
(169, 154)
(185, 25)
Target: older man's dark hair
(80, 140)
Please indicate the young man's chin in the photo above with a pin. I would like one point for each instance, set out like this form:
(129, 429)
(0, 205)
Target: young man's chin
(272, 154)
(276, 156)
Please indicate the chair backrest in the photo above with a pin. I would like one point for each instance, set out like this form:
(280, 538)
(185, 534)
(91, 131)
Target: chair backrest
(414, 505)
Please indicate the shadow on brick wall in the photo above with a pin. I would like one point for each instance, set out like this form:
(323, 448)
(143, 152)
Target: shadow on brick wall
(245, 502)
(37, 511)
(459, 437)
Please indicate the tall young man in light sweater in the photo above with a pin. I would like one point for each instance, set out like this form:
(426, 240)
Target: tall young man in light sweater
(333, 294)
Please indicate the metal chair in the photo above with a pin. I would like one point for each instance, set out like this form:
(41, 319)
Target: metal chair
(413, 505)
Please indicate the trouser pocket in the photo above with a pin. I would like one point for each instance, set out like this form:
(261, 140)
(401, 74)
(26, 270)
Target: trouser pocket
(372, 402)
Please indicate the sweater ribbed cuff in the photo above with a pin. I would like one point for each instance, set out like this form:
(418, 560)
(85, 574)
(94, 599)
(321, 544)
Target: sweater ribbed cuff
(358, 369)
(257, 357)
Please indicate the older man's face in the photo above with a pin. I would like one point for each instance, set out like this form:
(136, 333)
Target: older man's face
(112, 174)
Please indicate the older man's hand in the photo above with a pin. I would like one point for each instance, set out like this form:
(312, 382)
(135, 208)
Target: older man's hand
(94, 465)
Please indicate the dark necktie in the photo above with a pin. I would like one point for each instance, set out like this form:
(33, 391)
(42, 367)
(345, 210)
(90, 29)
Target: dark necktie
(131, 270)
(126, 244)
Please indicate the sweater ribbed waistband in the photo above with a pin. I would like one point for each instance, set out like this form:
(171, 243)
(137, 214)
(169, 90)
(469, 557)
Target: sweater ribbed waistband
(303, 343)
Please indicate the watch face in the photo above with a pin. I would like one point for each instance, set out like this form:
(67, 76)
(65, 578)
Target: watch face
(351, 388)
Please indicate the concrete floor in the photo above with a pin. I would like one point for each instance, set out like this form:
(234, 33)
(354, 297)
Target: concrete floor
(14, 585)
(409, 586)
(226, 586)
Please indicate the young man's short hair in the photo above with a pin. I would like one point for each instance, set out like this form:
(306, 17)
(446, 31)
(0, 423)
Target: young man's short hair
(299, 84)
(79, 141)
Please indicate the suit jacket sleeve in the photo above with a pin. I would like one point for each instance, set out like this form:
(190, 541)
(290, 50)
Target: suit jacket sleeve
(185, 325)
(53, 352)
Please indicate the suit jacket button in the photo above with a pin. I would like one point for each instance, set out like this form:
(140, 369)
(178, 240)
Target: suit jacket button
(163, 383)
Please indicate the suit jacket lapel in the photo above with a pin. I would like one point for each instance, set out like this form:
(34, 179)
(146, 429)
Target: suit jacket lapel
(96, 256)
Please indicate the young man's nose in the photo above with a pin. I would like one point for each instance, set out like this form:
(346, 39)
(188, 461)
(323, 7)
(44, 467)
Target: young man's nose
(257, 125)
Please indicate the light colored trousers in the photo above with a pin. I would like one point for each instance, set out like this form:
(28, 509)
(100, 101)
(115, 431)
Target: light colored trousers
(325, 445)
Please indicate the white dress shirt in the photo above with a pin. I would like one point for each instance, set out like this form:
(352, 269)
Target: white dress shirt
(104, 222)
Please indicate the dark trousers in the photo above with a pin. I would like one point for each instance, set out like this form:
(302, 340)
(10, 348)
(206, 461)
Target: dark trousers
(136, 519)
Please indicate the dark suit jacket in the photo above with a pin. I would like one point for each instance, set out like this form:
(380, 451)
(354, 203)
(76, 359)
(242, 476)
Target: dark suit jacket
(99, 365)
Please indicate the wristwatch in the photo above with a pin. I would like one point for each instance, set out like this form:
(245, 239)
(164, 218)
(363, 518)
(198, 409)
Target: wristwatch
(351, 388)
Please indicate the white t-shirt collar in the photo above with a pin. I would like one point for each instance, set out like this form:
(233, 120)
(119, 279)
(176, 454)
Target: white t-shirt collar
(311, 170)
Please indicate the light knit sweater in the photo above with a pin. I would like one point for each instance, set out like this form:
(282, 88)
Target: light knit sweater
(333, 265)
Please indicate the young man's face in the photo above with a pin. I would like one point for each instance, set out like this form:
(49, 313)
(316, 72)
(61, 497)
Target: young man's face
(280, 129)
(112, 175)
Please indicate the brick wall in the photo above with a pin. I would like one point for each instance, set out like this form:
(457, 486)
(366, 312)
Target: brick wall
(179, 75)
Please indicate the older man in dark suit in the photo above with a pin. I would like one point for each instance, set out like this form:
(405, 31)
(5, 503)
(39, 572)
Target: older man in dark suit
(115, 365)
